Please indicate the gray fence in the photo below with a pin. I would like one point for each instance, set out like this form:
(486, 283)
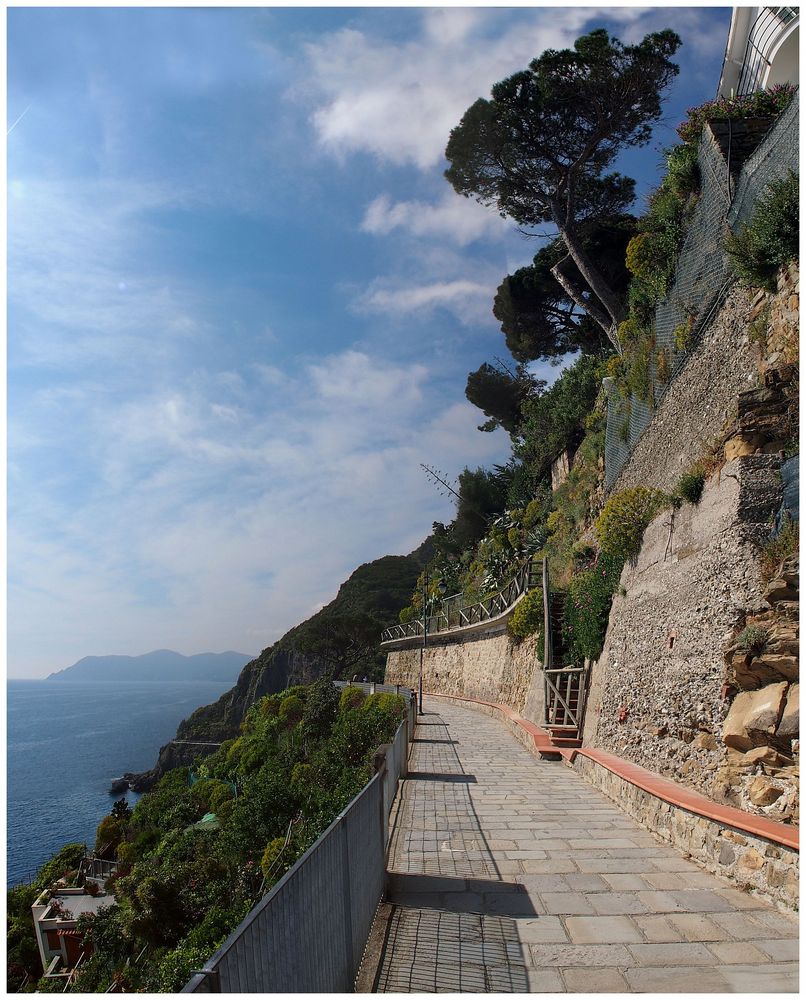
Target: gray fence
(702, 276)
(308, 934)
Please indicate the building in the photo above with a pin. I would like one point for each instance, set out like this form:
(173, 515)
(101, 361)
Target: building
(56, 925)
(762, 50)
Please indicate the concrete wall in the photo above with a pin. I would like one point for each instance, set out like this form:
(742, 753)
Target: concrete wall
(489, 666)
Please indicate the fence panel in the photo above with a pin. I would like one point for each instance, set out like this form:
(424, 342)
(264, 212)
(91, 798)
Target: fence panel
(308, 934)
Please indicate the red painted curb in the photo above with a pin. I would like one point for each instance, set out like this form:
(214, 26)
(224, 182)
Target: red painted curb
(648, 781)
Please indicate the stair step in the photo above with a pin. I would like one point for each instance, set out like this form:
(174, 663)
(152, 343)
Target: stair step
(566, 741)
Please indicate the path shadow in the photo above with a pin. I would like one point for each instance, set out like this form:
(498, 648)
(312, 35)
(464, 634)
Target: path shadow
(450, 950)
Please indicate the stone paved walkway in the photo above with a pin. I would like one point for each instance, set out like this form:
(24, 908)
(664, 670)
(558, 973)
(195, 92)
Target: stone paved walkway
(513, 875)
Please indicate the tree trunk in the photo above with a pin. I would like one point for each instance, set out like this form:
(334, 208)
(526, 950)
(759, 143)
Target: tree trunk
(590, 273)
(576, 293)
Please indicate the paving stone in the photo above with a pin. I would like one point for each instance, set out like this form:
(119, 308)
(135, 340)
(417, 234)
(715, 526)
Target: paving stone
(566, 902)
(616, 902)
(580, 955)
(541, 930)
(696, 927)
(544, 883)
(602, 930)
(761, 979)
(741, 926)
(676, 980)
(737, 952)
(779, 950)
(544, 981)
(626, 882)
(553, 866)
(658, 929)
(586, 883)
(672, 954)
(606, 866)
(594, 981)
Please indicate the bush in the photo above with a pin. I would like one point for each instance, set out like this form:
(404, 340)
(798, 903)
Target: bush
(407, 615)
(291, 711)
(770, 239)
(775, 551)
(527, 618)
(690, 485)
(663, 367)
(274, 849)
(108, 835)
(621, 525)
(753, 639)
(351, 697)
(587, 608)
(321, 709)
(760, 104)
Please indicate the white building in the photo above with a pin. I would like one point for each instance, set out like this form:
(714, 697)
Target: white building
(762, 50)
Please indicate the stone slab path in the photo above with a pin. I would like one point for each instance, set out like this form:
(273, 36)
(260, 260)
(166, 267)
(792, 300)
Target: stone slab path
(513, 875)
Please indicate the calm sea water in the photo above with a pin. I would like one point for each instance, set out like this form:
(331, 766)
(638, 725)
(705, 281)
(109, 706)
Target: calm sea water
(65, 743)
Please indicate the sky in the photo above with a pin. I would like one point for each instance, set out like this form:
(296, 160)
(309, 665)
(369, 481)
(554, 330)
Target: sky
(243, 302)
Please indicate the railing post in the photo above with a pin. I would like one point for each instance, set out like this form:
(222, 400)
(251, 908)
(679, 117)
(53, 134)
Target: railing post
(346, 896)
(212, 975)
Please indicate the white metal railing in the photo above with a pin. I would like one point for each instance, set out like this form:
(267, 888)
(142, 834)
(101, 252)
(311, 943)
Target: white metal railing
(454, 617)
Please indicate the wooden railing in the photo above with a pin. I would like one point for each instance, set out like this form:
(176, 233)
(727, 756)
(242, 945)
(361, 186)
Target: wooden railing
(472, 614)
(564, 685)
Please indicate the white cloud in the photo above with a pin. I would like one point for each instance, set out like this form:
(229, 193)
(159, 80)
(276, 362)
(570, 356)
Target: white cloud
(459, 220)
(207, 486)
(399, 101)
(465, 299)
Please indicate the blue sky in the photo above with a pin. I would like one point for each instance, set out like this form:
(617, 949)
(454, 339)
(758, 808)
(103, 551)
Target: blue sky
(243, 303)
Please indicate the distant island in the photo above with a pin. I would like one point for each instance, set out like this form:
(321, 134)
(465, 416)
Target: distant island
(159, 665)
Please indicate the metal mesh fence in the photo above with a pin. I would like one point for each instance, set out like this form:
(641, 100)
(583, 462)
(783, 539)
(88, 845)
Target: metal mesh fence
(702, 276)
(308, 934)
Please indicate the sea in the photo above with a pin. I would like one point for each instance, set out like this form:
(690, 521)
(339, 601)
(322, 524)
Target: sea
(66, 741)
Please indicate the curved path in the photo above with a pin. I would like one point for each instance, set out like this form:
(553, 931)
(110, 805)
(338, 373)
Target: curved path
(509, 874)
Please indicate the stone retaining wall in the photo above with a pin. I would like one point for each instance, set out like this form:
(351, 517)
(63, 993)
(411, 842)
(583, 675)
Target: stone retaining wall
(753, 863)
(490, 667)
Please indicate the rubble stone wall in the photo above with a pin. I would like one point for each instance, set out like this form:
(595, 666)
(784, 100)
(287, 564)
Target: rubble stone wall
(768, 868)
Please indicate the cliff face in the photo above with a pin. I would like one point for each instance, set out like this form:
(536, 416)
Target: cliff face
(378, 589)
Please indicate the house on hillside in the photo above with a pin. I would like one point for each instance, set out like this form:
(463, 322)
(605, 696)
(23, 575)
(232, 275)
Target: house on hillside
(762, 50)
(55, 916)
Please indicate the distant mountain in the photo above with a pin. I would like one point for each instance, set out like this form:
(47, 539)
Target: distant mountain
(160, 665)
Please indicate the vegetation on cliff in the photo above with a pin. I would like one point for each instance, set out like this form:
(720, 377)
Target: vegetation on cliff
(188, 878)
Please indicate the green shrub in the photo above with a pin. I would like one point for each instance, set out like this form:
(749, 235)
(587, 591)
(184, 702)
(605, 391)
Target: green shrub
(274, 849)
(683, 335)
(407, 615)
(775, 551)
(663, 366)
(108, 835)
(321, 709)
(392, 706)
(527, 618)
(770, 239)
(351, 697)
(587, 608)
(760, 104)
(753, 639)
(690, 485)
(291, 711)
(621, 525)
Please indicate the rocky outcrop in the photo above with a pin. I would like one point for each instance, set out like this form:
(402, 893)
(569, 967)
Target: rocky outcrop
(760, 769)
